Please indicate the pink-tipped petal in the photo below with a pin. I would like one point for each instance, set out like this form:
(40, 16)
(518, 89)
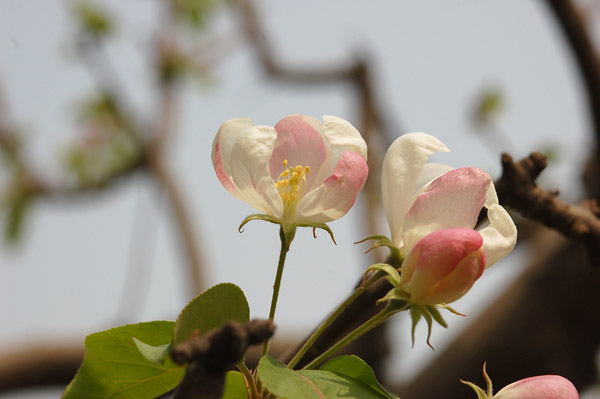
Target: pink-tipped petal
(222, 146)
(443, 266)
(500, 236)
(402, 166)
(250, 170)
(452, 200)
(334, 198)
(299, 142)
(340, 136)
(540, 387)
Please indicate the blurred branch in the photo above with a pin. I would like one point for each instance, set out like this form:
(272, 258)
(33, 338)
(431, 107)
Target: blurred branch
(39, 366)
(577, 34)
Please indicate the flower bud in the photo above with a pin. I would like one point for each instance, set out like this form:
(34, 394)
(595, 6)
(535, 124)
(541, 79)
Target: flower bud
(540, 387)
(443, 266)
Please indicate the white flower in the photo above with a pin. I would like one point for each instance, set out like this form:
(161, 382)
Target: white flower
(420, 198)
(300, 171)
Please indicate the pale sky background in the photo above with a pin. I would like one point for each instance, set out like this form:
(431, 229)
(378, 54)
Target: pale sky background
(65, 278)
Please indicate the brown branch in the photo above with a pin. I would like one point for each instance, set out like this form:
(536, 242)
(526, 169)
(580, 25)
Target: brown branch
(517, 189)
(212, 354)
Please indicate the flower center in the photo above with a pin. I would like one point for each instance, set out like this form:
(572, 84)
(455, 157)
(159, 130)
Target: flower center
(291, 183)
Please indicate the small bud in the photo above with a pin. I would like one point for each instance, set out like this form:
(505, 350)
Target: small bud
(540, 387)
(443, 266)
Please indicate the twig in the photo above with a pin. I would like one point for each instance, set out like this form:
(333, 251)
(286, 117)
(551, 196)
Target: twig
(517, 189)
(210, 355)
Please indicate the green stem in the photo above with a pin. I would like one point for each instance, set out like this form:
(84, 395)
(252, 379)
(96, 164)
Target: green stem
(315, 335)
(286, 239)
(249, 379)
(368, 325)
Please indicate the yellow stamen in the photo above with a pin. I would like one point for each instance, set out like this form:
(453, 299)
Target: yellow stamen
(291, 183)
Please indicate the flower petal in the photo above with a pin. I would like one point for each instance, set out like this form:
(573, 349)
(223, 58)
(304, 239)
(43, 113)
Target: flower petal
(334, 198)
(500, 236)
(249, 165)
(221, 149)
(299, 142)
(340, 137)
(402, 166)
(452, 200)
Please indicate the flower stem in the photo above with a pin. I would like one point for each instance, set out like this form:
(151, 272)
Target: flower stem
(368, 325)
(315, 335)
(249, 379)
(286, 238)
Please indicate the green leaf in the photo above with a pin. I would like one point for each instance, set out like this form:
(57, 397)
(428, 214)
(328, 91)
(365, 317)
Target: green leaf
(356, 368)
(215, 306)
(154, 354)
(313, 384)
(235, 386)
(114, 368)
(334, 386)
(284, 382)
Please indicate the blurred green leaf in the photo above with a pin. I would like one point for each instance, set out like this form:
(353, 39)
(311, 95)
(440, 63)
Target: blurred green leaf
(215, 306)
(194, 12)
(16, 213)
(488, 105)
(114, 368)
(93, 18)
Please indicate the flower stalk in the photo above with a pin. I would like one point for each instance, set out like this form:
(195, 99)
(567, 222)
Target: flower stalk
(286, 234)
(317, 333)
(391, 309)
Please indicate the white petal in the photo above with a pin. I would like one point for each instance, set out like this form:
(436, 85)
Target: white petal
(340, 136)
(250, 170)
(221, 149)
(500, 236)
(402, 167)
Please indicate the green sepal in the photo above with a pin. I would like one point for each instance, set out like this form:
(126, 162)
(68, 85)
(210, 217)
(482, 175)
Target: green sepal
(429, 319)
(154, 354)
(437, 316)
(451, 309)
(316, 226)
(395, 294)
(415, 317)
(393, 277)
(383, 241)
(480, 392)
(258, 216)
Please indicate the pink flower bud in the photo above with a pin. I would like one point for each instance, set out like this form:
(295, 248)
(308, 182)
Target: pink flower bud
(540, 387)
(442, 266)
